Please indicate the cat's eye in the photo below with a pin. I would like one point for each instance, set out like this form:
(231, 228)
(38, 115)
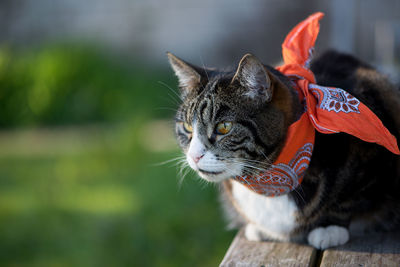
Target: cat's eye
(223, 127)
(187, 127)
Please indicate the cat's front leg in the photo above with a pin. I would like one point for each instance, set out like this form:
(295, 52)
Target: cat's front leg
(326, 237)
(253, 233)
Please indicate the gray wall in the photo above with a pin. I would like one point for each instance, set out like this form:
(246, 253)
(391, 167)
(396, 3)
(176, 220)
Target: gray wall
(213, 32)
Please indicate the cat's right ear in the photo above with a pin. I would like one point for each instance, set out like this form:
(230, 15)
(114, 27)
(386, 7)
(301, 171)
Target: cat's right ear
(189, 78)
(253, 76)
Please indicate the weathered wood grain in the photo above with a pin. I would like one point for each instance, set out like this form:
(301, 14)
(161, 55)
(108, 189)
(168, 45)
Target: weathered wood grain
(369, 250)
(246, 253)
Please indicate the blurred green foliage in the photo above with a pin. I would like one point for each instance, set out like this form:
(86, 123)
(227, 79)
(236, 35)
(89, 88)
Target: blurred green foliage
(64, 84)
(90, 195)
(104, 204)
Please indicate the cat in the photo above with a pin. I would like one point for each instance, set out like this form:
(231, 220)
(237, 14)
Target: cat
(234, 122)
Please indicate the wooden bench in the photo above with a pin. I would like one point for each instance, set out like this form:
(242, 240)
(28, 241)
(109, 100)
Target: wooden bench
(369, 250)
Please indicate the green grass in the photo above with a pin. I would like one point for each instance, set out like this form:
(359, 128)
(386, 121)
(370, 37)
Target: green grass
(93, 197)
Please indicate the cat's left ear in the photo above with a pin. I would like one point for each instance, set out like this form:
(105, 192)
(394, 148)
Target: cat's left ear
(189, 78)
(252, 75)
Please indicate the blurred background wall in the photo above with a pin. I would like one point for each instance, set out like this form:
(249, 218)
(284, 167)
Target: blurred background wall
(217, 31)
(86, 108)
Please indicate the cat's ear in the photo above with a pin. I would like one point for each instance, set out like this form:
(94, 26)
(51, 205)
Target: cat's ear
(189, 78)
(252, 75)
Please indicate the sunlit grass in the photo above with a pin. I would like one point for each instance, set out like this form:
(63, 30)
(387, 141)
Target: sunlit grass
(101, 200)
(94, 197)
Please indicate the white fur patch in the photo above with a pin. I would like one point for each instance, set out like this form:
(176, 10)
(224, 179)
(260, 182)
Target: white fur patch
(326, 237)
(273, 216)
(196, 149)
(254, 233)
(208, 161)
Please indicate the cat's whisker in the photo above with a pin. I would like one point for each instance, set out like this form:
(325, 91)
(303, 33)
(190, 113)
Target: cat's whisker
(169, 161)
(172, 90)
(183, 165)
(241, 178)
(187, 170)
(248, 161)
(267, 158)
(249, 164)
(251, 170)
(183, 172)
(249, 167)
(172, 99)
(166, 108)
(261, 167)
(299, 194)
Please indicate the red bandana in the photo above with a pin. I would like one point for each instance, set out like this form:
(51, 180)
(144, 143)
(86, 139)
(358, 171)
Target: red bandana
(328, 110)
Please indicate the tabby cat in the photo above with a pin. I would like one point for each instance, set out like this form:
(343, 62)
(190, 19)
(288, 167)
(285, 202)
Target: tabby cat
(233, 123)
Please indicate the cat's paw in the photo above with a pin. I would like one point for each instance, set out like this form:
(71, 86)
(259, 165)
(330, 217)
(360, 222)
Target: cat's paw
(325, 237)
(252, 233)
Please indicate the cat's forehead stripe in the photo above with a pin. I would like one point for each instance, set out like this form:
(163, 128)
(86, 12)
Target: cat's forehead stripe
(203, 108)
(214, 108)
(189, 112)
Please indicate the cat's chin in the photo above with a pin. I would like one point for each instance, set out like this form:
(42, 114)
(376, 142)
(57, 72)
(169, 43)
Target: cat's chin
(214, 177)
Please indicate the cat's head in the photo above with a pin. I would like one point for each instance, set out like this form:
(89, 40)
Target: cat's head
(231, 123)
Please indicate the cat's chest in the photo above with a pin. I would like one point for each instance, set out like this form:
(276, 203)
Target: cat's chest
(276, 215)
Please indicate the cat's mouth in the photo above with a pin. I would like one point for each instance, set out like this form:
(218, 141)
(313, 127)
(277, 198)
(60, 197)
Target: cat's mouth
(210, 172)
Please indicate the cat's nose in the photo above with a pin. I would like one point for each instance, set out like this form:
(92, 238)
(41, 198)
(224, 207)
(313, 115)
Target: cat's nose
(197, 158)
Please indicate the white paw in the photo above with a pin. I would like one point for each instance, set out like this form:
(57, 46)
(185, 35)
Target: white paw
(325, 237)
(252, 233)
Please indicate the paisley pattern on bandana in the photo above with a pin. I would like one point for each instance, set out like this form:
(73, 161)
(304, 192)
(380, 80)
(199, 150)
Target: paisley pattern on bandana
(335, 99)
(280, 178)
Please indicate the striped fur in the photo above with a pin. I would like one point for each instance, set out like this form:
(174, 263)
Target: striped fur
(348, 180)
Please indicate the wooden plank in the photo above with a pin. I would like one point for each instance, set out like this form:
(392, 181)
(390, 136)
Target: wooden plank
(246, 253)
(370, 250)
